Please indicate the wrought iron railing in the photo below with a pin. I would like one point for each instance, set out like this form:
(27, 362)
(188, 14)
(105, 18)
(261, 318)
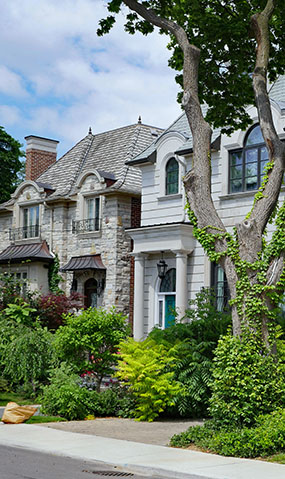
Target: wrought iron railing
(85, 226)
(32, 231)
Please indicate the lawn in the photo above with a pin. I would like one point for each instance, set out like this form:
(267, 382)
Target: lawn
(6, 397)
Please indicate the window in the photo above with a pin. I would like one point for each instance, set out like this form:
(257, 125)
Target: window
(92, 214)
(166, 298)
(172, 177)
(31, 221)
(220, 286)
(247, 165)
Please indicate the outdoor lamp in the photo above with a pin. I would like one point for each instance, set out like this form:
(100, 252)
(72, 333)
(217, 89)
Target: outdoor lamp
(161, 267)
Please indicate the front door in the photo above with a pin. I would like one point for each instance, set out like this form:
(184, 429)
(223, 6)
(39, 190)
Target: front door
(90, 293)
(169, 310)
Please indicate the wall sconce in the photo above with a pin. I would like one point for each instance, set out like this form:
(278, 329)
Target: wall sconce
(161, 267)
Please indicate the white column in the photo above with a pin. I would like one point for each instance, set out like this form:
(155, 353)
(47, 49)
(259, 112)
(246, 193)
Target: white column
(181, 283)
(139, 297)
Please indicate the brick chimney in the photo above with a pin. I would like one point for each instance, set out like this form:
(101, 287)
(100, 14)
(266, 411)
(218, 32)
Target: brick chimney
(40, 154)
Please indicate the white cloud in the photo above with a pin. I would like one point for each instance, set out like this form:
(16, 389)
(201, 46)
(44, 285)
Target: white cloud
(76, 79)
(9, 115)
(11, 83)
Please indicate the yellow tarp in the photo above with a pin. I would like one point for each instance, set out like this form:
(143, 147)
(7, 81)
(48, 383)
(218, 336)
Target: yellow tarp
(15, 414)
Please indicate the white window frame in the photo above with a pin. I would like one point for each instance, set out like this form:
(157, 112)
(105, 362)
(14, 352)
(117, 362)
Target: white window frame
(34, 227)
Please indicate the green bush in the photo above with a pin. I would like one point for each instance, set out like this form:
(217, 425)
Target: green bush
(266, 438)
(145, 366)
(27, 357)
(64, 396)
(89, 341)
(248, 382)
(116, 401)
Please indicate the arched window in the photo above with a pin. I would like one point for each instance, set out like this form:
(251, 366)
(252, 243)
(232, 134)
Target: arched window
(171, 177)
(247, 165)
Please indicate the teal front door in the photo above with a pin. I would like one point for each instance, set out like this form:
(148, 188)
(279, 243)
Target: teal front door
(169, 310)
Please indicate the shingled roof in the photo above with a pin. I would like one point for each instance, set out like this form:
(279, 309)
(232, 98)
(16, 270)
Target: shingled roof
(181, 125)
(105, 152)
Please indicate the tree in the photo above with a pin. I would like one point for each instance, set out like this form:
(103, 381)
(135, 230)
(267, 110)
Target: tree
(11, 164)
(235, 46)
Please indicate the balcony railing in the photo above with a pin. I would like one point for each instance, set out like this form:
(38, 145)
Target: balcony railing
(32, 231)
(86, 226)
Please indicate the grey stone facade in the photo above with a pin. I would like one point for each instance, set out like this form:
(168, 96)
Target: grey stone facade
(92, 174)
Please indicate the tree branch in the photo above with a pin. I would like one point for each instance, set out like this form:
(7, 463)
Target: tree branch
(198, 180)
(264, 207)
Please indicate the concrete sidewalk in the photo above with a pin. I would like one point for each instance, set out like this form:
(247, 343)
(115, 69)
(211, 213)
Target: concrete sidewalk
(137, 457)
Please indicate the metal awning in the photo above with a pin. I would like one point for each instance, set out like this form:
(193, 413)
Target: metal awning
(76, 263)
(24, 252)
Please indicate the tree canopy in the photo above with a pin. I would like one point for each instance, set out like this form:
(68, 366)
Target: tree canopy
(223, 33)
(11, 164)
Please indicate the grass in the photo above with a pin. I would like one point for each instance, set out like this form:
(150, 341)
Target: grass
(279, 458)
(6, 397)
(43, 419)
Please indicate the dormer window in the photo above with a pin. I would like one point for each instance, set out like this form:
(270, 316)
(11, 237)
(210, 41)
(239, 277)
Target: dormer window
(31, 221)
(172, 177)
(247, 164)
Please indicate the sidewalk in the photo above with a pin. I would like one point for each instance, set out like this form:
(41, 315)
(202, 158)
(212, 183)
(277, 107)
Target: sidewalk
(136, 457)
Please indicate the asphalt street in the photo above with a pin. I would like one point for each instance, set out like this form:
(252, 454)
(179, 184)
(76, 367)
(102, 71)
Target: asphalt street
(19, 463)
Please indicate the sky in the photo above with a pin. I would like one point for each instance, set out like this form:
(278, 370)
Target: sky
(58, 78)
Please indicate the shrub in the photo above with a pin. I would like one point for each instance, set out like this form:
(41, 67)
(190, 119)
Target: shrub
(64, 396)
(52, 308)
(116, 401)
(90, 341)
(20, 312)
(145, 367)
(28, 356)
(248, 382)
(266, 438)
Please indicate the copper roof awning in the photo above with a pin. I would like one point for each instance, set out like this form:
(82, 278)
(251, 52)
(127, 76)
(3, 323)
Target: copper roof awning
(24, 252)
(76, 263)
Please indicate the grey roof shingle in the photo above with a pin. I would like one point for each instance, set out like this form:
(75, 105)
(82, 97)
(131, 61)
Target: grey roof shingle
(276, 93)
(105, 152)
(181, 126)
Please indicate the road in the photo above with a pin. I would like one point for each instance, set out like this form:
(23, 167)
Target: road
(25, 464)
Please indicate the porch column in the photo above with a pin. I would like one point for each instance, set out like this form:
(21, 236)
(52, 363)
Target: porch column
(139, 297)
(181, 283)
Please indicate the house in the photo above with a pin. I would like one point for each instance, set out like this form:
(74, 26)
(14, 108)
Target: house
(77, 208)
(164, 239)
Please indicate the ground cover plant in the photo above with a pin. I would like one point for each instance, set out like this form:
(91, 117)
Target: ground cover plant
(247, 402)
(265, 438)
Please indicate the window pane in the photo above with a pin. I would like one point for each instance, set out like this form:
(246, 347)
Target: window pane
(236, 171)
(172, 173)
(251, 155)
(251, 183)
(160, 312)
(25, 217)
(251, 169)
(168, 284)
(236, 186)
(90, 208)
(220, 285)
(255, 137)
